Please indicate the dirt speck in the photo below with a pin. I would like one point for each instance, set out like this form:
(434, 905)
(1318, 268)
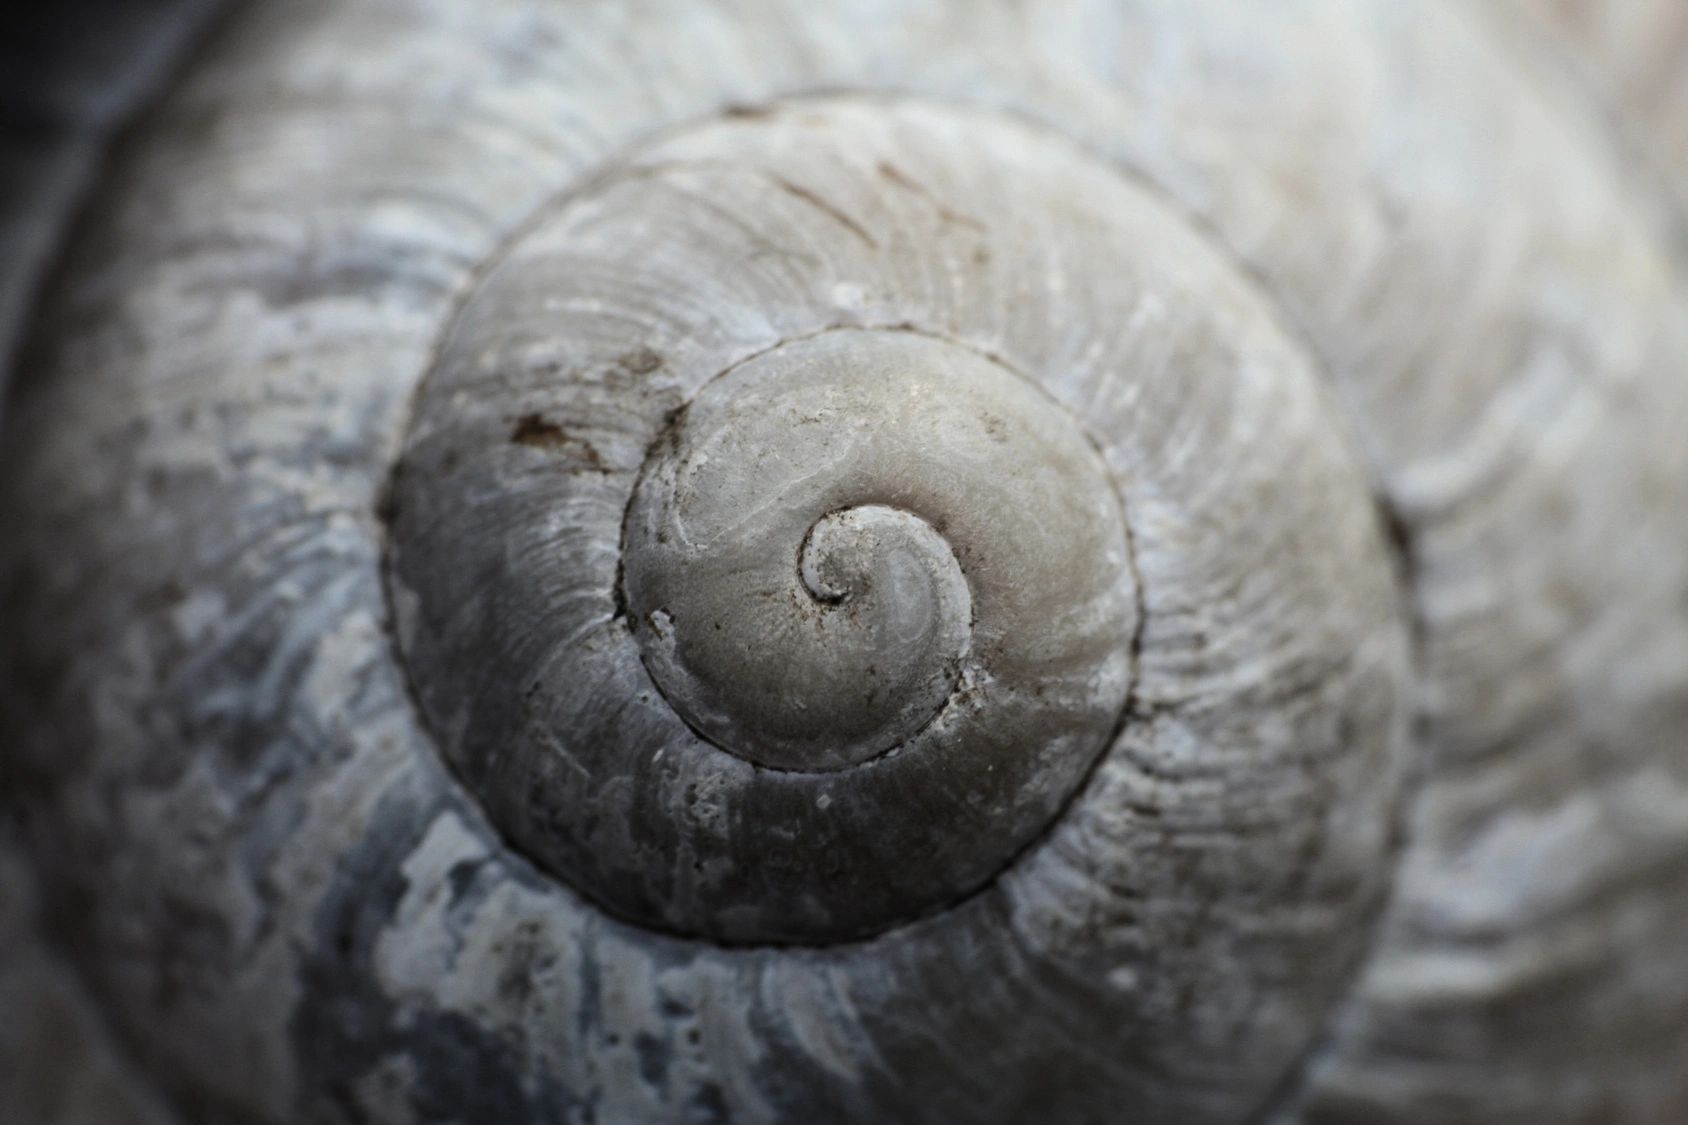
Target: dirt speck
(641, 361)
(538, 432)
(534, 430)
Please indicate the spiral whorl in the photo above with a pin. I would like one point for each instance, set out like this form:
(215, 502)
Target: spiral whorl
(784, 555)
(802, 562)
(880, 582)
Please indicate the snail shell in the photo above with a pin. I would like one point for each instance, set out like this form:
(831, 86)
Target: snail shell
(960, 563)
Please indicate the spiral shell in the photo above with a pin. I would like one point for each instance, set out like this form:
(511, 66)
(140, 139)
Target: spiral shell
(977, 562)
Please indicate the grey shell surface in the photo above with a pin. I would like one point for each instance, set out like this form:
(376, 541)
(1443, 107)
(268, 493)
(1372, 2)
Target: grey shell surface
(761, 561)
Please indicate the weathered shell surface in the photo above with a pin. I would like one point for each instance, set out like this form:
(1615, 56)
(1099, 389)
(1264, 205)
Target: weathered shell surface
(1265, 431)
